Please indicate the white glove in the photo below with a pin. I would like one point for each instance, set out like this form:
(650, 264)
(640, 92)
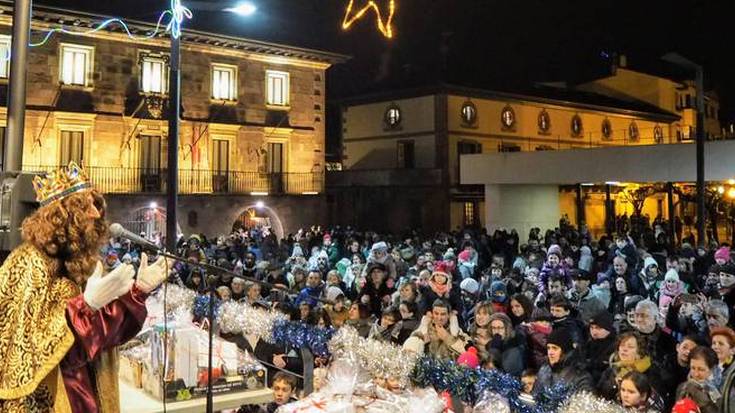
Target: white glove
(101, 290)
(151, 276)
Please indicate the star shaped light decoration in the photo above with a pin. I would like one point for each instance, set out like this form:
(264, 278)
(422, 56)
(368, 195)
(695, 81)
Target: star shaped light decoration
(353, 14)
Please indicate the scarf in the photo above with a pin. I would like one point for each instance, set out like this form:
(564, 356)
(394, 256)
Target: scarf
(439, 289)
(625, 367)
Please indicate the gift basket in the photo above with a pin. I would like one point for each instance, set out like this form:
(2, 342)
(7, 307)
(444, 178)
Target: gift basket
(169, 360)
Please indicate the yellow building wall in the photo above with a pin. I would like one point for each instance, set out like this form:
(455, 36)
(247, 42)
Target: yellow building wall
(488, 130)
(370, 144)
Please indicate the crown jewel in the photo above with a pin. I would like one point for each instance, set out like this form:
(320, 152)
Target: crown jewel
(60, 184)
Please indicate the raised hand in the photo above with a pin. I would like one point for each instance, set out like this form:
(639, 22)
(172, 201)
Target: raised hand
(101, 290)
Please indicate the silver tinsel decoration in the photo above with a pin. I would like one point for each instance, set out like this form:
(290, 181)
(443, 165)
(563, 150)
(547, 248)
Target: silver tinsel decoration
(235, 318)
(585, 402)
(380, 359)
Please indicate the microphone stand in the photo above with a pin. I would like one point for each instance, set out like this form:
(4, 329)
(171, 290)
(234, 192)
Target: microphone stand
(210, 316)
(210, 313)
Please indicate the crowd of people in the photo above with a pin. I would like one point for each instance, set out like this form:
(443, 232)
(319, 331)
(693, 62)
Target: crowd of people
(626, 317)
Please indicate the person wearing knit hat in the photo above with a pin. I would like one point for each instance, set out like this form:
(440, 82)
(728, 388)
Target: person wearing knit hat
(560, 366)
(469, 286)
(685, 405)
(438, 286)
(469, 358)
(338, 312)
(554, 265)
(511, 348)
(601, 345)
(449, 255)
(671, 288)
(499, 296)
(554, 249)
(722, 255)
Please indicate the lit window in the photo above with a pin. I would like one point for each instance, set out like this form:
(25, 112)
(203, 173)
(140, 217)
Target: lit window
(577, 128)
(658, 134)
(76, 64)
(153, 73)
(633, 132)
(72, 147)
(469, 113)
(277, 88)
(224, 83)
(606, 129)
(392, 117)
(4, 56)
(544, 122)
(508, 117)
(469, 214)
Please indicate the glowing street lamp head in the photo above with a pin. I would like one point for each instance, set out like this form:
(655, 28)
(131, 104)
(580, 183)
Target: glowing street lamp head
(243, 9)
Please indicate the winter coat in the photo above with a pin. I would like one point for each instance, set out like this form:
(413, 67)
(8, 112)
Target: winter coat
(512, 353)
(568, 370)
(586, 261)
(442, 349)
(546, 272)
(597, 355)
(706, 397)
(376, 295)
(587, 305)
(607, 386)
(666, 296)
(536, 337)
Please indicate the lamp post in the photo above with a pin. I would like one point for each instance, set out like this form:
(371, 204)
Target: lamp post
(17, 86)
(174, 112)
(683, 62)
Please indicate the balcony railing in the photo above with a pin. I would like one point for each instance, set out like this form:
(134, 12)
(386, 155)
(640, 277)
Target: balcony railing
(113, 180)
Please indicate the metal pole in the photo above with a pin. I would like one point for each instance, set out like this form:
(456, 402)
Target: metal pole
(174, 107)
(13, 151)
(580, 206)
(672, 214)
(608, 212)
(700, 156)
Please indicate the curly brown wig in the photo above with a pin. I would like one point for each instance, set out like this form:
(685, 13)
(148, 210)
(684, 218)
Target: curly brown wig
(64, 231)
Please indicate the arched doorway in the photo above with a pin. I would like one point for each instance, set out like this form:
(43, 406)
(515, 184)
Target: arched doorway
(149, 221)
(259, 216)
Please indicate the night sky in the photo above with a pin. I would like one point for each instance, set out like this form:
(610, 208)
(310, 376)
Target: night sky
(482, 43)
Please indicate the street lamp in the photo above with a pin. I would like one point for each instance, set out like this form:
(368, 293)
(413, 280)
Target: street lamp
(174, 107)
(243, 9)
(685, 63)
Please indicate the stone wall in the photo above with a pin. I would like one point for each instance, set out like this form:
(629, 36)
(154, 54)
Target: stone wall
(215, 214)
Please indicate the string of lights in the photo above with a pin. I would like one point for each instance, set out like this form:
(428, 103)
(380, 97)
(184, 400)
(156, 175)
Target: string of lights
(176, 16)
(385, 27)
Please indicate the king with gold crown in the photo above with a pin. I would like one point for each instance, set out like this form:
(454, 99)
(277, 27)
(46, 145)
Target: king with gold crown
(62, 319)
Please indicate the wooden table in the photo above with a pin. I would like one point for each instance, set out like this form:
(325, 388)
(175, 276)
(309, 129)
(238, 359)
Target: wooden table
(134, 400)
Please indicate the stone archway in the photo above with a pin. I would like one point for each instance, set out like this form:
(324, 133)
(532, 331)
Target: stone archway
(148, 220)
(262, 216)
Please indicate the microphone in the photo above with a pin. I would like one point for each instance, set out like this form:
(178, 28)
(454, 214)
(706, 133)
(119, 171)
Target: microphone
(118, 231)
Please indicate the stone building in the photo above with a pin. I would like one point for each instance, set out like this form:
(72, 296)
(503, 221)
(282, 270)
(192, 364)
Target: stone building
(252, 129)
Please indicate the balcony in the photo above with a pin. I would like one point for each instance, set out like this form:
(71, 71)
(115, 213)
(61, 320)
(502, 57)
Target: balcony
(111, 180)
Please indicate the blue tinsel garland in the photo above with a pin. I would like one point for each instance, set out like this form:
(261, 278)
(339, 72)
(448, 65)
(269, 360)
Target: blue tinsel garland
(293, 334)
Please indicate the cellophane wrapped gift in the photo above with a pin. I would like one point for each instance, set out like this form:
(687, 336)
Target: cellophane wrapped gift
(184, 367)
(491, 402)
(349, 391)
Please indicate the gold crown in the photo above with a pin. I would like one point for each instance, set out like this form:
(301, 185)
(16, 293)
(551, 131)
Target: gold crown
(60, 184)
